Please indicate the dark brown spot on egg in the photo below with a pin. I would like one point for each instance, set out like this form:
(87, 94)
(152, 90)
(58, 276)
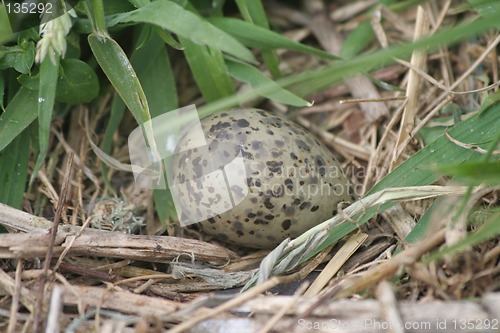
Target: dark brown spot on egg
(260, 221)
(320, 166)
(314, 208)
(267, 203)
(305, 205)
(219, 126)
(256, 145)
(243, 123)
(286, 224)
(279, 143)
(276, 154)
(289, 183)
(302, 145)
(249, 181)
(274, 166)
(279, 192)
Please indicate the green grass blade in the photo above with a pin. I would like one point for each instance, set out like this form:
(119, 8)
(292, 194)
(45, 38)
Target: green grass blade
(14, 170)
(490, 229)
(209, 71)
(473, 173)
(487, 8)
(253, 11)
(154, 71)
(255, 36)
(117, 67)
(256, 78)
(18, 115)
(172, 17)
(312, 81)
(116, 116)
(46, 98)
(152, 65)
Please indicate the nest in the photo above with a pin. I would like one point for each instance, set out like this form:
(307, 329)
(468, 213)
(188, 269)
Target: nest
(101, 259)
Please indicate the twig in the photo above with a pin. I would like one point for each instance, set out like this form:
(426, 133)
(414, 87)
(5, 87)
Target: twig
(389, 304)
(279, 314)
(336, 263)
(52, 236)
(15, 298)
(469, 146)
(54, 315)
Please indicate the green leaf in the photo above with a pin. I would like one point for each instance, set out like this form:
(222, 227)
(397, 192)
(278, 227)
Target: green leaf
(209, 70)
(116, 116)
(487, 8)
(117, 67)
(20, 58)
(46, 98)
(77, 82)
(152, 65)
(254, 12)
(19, 113)
(473, 173)
(172, 17)
(31, 82)
(489, 101)
(489, 230)
(2, 92)
(256, 78)
(255, 36)
(14, 170)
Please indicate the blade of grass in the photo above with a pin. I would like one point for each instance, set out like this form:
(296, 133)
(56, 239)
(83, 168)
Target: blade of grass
(18, 115)
(184, 23)
(152, 65)
(14, 170)
(154, 71)
(120, 73)
(312, 81)
(486, 8)
(209, 70)
(258, 37)
(46, 98)
(253, 12)
(490, 229)
(473, 173)
(116, 115)
(256, 78)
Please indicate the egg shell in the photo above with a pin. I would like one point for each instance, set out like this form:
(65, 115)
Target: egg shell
(289, 181)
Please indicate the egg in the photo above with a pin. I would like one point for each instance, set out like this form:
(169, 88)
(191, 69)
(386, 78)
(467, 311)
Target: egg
(258, 180)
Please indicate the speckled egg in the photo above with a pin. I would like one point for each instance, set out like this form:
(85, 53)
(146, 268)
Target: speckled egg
(258, 180)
